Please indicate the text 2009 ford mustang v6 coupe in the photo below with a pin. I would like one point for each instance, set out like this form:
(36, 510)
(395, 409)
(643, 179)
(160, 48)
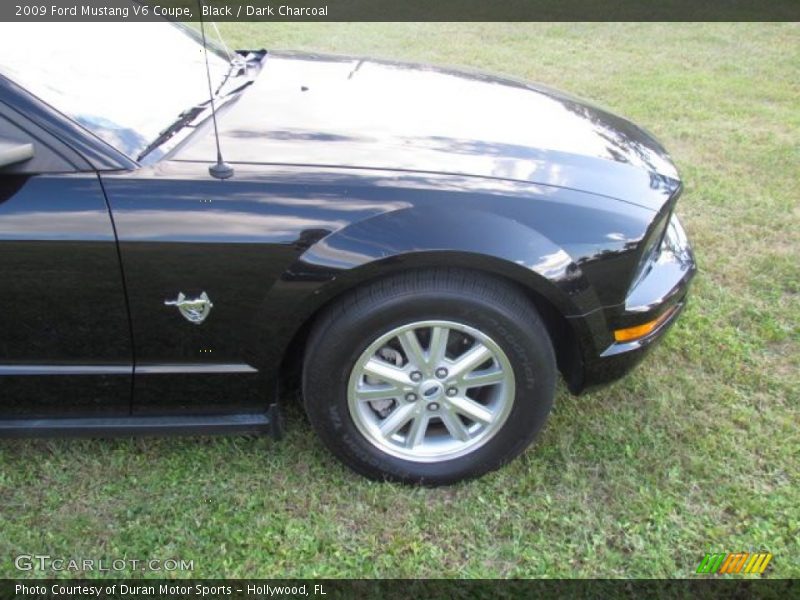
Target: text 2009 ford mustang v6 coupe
(424, 249)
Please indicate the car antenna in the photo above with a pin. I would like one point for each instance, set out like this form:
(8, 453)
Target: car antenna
(221, 169)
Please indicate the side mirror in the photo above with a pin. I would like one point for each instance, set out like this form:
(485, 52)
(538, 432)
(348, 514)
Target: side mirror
(14, 152)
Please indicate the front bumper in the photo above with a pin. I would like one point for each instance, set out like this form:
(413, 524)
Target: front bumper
(660, 293)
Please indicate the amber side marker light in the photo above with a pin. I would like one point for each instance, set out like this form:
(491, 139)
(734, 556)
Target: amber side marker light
(630, 334)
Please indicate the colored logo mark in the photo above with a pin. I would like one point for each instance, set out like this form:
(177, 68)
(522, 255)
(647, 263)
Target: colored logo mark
(741, 562)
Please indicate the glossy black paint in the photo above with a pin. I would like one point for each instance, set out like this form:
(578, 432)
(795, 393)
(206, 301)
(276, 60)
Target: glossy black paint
(336, 182)
(351, 112)
(62, 302)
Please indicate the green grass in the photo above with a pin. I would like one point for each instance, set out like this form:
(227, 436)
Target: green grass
(696, 451)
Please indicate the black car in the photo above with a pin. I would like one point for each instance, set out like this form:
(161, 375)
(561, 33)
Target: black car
(421, 249)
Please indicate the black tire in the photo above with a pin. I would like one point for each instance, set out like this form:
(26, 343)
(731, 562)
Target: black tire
(489, 305)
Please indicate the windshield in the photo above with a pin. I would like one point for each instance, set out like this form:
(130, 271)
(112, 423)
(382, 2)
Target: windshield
(125, 82)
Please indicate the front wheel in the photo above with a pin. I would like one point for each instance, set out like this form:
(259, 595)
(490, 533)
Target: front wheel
(429, 377)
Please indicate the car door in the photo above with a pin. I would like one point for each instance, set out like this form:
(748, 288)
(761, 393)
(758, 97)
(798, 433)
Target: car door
(186, 237)
(65, 343)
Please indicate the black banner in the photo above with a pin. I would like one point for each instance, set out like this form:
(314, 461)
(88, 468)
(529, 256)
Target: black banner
(727, 588)
(400, 10)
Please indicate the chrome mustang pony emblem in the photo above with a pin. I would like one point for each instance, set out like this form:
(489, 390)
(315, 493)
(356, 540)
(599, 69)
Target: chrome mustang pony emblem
(193, 310)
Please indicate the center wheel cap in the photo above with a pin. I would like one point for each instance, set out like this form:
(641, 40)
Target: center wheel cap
(431, 389)
(431, 426)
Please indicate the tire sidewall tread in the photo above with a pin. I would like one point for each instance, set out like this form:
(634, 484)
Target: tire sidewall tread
(491, 305)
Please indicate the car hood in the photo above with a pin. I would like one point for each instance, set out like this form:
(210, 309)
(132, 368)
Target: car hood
(338, 111)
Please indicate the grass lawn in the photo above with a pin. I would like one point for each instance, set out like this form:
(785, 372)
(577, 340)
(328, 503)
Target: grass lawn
(697, 451)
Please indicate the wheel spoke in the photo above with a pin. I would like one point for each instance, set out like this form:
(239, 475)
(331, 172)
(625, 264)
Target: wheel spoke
(454, 425)
(416, 433)
(489, 376)
(438, 345)
(471, 359)
(399, 417)
(434, 417)
(412, 349)
(386, 372)
(377, 393)
(471, 409)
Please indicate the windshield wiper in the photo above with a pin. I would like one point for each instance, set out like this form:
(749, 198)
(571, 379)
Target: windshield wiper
(187, 117)
(238, 68)
(183, 120)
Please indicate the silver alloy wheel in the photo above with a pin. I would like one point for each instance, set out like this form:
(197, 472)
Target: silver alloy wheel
(431, 391)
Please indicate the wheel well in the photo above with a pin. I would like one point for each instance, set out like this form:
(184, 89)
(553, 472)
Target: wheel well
(562, 335)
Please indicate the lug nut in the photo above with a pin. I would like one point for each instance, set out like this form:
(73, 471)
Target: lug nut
(441, 372)
(452, 391)
(416, 376)
(433, 406)
(411, 397)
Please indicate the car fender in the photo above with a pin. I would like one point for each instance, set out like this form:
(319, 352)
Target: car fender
(414, 238)
(411, 238)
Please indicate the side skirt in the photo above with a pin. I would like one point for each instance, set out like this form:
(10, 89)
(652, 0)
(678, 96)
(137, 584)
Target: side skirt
(269, 423)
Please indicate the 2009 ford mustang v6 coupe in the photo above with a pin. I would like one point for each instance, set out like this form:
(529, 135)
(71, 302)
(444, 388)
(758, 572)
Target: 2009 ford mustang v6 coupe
(423, 250)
